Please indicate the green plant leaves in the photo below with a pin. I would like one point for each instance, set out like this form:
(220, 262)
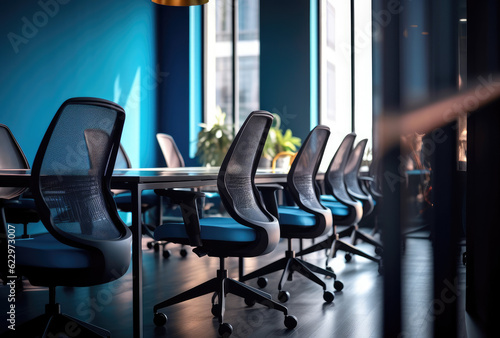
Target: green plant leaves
(214, 142)
(278, 142)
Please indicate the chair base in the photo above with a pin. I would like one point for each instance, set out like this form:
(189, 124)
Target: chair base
(356, 234)
(335, 244)
(57, 325)
(290, 264)
(221, 286)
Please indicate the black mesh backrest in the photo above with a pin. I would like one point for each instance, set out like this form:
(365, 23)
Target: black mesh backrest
(334, 176)
(302, 175)
(72, 170)
(352, 167)
(11, 157)
(94, 139)
(171, 153)
(237, 172)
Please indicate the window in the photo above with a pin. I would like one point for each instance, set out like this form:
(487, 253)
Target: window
(336, 71)
(219, 60)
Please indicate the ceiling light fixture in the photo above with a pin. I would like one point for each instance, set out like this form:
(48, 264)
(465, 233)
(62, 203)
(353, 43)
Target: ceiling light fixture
(180, 2)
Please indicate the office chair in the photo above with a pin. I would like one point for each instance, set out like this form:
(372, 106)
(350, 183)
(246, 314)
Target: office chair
(149, 199)
(356, 190)
(345, 210)
(12, 208)
(251, 231)
(87, 243)
(173, 159)
(18, 208)
(171, 153)
(309, 219)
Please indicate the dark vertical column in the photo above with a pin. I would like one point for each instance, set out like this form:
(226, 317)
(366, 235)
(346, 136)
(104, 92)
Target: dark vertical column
(386, 22)
(483, 184)
(444, 77)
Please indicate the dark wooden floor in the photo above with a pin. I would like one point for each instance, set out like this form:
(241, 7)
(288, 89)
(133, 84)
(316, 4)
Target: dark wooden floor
(355, 312)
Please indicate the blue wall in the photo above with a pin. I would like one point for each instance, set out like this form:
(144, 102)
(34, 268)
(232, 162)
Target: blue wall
(180, 100)
(288, 73)
(63, 49)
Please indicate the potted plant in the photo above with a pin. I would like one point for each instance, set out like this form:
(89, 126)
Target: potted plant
(278, 142)
(214, 141)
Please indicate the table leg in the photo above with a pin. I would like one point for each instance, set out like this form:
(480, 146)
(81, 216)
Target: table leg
(137, 263)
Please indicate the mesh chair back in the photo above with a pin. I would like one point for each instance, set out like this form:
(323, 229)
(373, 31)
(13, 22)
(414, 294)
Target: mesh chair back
(352, 167)
(237, 172)
(302, 175)
(11, 157)
(72, 171)
(171, 153)
(334, 182)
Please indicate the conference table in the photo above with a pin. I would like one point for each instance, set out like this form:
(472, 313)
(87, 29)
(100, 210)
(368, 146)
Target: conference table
(136, 181)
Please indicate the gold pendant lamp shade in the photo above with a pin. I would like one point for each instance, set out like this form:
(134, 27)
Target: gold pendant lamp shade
(180, 2)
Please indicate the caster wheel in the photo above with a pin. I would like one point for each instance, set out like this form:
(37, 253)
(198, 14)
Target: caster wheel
(150, 245)
(262, 282)
(348, 257)
(225, 329)
(328, 296)
(250, 302)
(290, 322)
(215, 310)
(156, 247)
(160, 319)
(183, 252)
(379, 251)
(283, 296)
(338, 285)
(329, 269)
(166, 253)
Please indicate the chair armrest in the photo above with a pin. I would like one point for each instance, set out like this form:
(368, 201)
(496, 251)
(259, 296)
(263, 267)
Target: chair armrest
(189, 208)
(366, 178)
(268, 193)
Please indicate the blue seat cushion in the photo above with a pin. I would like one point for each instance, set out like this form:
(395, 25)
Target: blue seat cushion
(337, 208)
(328, 198)
(45, 251)
(211, 228)
(291, 215)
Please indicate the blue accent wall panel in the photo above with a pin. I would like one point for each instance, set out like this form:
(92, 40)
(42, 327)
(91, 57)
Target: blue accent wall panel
(195, 76)
(180, 95)
(285, 59)
(52, 50)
